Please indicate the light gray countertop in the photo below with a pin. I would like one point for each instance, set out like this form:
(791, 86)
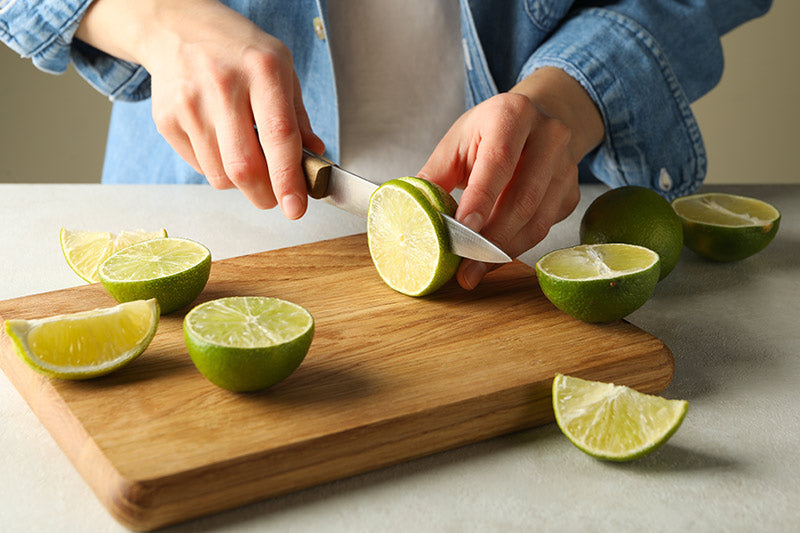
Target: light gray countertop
(734, 330)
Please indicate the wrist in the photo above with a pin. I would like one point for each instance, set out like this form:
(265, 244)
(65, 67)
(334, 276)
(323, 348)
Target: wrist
(560, 96)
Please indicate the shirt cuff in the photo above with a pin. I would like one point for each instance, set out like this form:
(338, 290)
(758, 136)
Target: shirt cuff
(44, 30)
(651, 136)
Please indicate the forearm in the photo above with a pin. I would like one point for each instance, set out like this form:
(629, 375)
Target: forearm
(116, 27)
(560, 96)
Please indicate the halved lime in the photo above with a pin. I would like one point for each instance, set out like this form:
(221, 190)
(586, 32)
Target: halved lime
(408, 241)
(85, 344)
(172, 270)
(614, 422)
(599, 282)
(726, 227)
(247, 343)
(85, 250)
(635, 215)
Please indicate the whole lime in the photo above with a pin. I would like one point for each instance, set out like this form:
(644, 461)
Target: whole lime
(635, 215)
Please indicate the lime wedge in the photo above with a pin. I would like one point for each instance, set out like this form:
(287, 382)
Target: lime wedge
(85, 344)
(85, 250)
(599, 282)
(613, 422)
(172, 270)
(247, 343)
(408, 241)
(726, 227)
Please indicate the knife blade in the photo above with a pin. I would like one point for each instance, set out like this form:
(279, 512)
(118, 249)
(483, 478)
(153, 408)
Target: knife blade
(350, 192)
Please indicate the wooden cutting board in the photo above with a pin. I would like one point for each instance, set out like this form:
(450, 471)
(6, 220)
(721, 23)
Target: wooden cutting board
(388, 378)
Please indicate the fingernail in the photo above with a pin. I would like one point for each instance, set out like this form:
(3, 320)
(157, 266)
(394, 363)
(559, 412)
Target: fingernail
(473, 274)
(473, 221)
(292, 206)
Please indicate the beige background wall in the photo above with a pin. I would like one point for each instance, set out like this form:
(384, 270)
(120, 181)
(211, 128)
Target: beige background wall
(52, 128)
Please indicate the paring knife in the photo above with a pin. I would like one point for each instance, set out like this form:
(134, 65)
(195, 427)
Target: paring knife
(347, 191)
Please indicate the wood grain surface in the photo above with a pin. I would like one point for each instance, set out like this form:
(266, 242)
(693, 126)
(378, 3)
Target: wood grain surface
(388, 378)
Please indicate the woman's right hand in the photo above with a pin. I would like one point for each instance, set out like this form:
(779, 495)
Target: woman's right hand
(214, 76)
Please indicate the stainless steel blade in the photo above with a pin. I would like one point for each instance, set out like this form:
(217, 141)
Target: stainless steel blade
(467, 243)
(351, 193)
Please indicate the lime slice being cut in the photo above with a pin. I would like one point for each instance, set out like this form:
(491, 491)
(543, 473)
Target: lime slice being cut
(247, 343)
(726, 227)
(85, 250)
(172, 270)
(599, 282)
(408, 241)
(613, 422)
(85, 344)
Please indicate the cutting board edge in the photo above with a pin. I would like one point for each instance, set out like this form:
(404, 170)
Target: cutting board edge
(510, 410)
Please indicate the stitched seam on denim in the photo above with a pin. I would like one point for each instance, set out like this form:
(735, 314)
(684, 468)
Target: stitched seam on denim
(77, 16)
(544, 23)
(5, 6)
(323, 14)
(680, 98)
(134, 72)
(481, 75)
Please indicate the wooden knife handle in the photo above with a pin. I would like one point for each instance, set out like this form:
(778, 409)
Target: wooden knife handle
(317, 170)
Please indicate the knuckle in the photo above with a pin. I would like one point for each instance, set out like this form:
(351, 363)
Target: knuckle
(241, 171)
(278, 127)
(218, 181)
(275, 58)
(559, 133)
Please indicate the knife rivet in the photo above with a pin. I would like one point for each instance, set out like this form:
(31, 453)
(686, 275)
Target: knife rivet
(319, 29)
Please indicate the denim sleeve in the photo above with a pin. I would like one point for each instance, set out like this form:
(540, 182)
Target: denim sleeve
(643, 63)
(44, 31)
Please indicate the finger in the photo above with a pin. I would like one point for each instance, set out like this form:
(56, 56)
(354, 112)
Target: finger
(309, 138)
(558, 202)
(470, 273)
(495, 162)
(279, 136)
(445, 166)
(542, 160)
(206, 150)
(242, 159)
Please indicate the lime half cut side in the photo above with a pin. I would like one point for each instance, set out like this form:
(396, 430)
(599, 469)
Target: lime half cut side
(172, 270)
(614, 422)
(726, 227)
(248, 343)
(599, 282)
(86, 250)
(408, 241)
(85, 344)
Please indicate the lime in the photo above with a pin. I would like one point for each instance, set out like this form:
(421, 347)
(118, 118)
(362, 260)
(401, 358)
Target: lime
(85, 344)
(726, 227)
(247, 343)
(635, 215)
(408, 241)
(85, 250)
(614, 422)
(599, 282)
(172, 270)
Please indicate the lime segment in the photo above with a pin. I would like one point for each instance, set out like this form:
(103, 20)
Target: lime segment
(85, 250)
(599, 282)
(613, 422)
(172, 270)
(247, 343)
(86, 344)
(408, 241)
(726, 227)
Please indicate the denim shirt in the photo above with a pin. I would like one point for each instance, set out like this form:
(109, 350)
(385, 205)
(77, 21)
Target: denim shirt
(642, 62)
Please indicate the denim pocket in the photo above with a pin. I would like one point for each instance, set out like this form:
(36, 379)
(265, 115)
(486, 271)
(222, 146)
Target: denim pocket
(546, 14)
